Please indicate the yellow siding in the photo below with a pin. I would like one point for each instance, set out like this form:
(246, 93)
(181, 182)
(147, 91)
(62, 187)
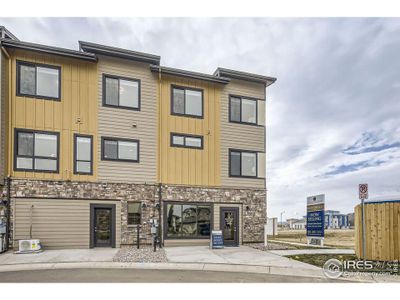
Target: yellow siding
(190, 166)
(78, 100)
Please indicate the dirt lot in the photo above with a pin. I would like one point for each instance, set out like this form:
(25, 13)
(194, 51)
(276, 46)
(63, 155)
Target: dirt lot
(340, 238)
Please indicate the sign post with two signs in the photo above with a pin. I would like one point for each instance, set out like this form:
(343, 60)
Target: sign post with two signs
(363, 194)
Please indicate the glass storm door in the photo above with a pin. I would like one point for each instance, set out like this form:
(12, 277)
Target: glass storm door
(102, 227)
(229, 224)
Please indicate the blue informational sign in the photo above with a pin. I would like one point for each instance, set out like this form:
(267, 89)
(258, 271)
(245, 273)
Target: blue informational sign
(315, 223)
(315, 216)
(217, 240)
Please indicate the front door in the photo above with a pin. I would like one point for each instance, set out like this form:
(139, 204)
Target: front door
(229, 224)
(103, 229)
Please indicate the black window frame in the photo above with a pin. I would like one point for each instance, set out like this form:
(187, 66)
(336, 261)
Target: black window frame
(241, 151)
(33, 157)
(105, 104)
(173, 86)
(76, 135)
(185, 202)
(127, 213)
(35, 65)
(104, 138)
(241, 98)
(184, 140)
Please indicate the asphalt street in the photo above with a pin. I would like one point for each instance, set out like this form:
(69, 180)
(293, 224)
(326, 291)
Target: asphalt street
(154, 276)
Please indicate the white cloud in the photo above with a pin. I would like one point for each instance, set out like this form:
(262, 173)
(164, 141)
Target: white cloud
(338, 80)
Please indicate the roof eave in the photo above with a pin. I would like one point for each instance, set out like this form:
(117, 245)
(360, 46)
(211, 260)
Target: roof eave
(245, 76)
(189, 74)
(48, 49)
(118, 52)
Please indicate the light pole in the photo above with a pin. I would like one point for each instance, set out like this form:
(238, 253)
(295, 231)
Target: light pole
(282, 218)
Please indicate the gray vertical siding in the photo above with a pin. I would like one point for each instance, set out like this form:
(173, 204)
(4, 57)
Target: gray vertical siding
(116, 122)
(58, 223)
(241, 136)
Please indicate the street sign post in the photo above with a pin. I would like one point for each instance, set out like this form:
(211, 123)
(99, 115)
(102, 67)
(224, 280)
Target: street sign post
(363, 194)
(316, 219)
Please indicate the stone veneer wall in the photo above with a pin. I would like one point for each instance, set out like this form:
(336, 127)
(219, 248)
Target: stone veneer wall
(89, 190)
(254, 217)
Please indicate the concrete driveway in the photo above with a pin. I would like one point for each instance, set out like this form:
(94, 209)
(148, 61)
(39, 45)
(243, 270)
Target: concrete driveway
(60, 256)
(232, 255)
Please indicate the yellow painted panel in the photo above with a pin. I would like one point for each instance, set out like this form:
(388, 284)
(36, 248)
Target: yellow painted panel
(182, 165)
(78, 101)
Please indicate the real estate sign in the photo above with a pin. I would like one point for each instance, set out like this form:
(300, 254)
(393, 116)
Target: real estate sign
(315, 218)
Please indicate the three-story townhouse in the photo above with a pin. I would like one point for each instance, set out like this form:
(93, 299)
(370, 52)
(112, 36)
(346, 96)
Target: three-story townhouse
(99, 142)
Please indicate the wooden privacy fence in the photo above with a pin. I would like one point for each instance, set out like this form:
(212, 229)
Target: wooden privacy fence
(382, 230)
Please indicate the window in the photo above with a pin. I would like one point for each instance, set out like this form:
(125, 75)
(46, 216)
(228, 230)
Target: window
(186, 141)
(187, 102)
(37, 80)
(242, 163)
(36, 151)
(121, 92)
(120, 149)
(188, 220)
(134, 213)
(83, 154)
(242, 110)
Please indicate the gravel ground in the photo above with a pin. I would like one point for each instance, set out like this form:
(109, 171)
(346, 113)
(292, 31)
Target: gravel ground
(144, 255)
(270, 246)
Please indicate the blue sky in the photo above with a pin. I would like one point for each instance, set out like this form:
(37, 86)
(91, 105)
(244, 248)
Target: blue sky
(333, 116)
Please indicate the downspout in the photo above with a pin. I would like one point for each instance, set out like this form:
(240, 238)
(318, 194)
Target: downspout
(8, 180)
(8, 210)
(160, 224)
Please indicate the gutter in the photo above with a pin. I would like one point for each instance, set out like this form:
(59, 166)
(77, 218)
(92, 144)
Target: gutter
(48, 49)
(189, 74)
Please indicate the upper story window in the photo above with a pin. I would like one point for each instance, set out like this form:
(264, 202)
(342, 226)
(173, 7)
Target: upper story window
(187, 102)
(38, 80)
(242, 163)
(186, 141)
(83, 154)
(120, 149)
(36, 151)
(242, 110)
(121, 92)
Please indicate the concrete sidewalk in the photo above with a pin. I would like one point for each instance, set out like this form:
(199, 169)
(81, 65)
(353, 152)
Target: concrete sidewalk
(243, 255)
(239, 259)
(311, 251)
(59, 256)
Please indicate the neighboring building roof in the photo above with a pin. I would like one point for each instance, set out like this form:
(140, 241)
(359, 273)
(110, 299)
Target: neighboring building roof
(383, 199)
(119, 52)
(190, 74)
(47, 49)
(244, 76)
(5, 34)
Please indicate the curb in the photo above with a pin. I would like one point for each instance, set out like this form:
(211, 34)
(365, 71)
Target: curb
(166, 266)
